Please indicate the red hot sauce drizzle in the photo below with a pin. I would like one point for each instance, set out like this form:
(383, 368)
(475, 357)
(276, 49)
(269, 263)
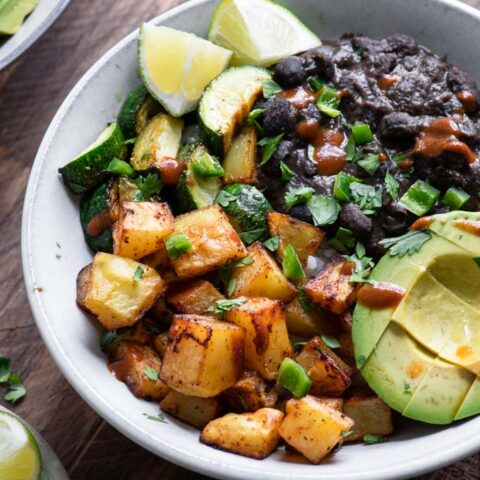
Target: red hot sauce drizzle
(470, 226)
(328, 154)
(442, 135)
(380, 295)
(299, 97)
(386, 81)
(420, 223)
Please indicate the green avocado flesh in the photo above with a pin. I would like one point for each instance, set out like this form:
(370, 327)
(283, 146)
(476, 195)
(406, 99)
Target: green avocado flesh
(13, 13)
(422, 356)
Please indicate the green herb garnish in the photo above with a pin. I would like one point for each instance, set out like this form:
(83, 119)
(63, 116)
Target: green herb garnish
(297, 196)
(272, 243)
(157, 418)
(177, 244)
(391, 185)
(222, 306)
(270, 88)
(368, 199)
(286, 172)
(407, 244)
(252, 119)
(343, 241)
(138, 275)
(370, 163)
(224, 198)
(330, 341)
(324, 210)
(148, 186)
(252, 235)
(269, 145)
(151, 374)
(363, 264)
(16, 389)
(5, 369)
(350, 148)
(297, 346)
(371, 439)
(341, 187)
(328, 102)
(292, 268)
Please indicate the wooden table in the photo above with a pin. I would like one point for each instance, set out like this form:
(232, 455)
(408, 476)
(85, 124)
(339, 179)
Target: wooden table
(31, 90)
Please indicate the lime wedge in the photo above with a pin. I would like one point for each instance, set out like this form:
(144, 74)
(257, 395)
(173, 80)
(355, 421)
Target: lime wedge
(177, 66)
(20, 457)
(259, 32)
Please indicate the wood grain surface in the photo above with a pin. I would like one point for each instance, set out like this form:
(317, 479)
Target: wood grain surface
(31, 90)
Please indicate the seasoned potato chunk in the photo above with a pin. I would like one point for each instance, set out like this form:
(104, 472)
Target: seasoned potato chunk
(160, 312)
(250, 434)
(141, 228)
(303, 237)
(160, 343)
(331, 288)
(262, 278)
(194, 411)
(193, 297)
(240, 162)
(313, 428)
(306, 324)
(266, 339)
(138, 366)
(330, 375)
(251, 393)
(370, 414)
(118, 291)
(332, 402)
(346, 345)
(203, 357)
(214, 242)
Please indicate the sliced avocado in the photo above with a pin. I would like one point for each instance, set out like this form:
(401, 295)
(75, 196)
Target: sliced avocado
(13, 13)
(471, 404)
(396, 367)
(368, 324)
(461, 228)
(440, 393)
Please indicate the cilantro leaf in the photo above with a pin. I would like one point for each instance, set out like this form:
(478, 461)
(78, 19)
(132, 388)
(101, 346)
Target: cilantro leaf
(232, 284)
(272, 243)
(286, 172)
(222, 306)
(151, 374)
(330, 341)
(138, 275)
(176, 244)
(371, 439)
(363, 264)
(304, 300)
(391, 185)
(252, 119)
(225, 272)
(16, 389)
(224, 198)
(156, 418)
(297, 346)
(270, 88)
(368, 199)
(350, 148)
(324, 210)
(296, 196)
(407, 244)
(346, 433)
(5, 369)
(252, 235)
(148, 186)
(269, 145)
(370, 163)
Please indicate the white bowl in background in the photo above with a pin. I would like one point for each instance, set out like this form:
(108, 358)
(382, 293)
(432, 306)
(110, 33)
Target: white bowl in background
(51, 216)
(35, 25)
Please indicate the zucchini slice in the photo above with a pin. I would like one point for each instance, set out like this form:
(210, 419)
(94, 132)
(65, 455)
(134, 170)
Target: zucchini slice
(89, 168)
(137, 109)
(240, 163)
(246, 206)
(158, 141)
(96, 216)
(226, 103)
(194, 191)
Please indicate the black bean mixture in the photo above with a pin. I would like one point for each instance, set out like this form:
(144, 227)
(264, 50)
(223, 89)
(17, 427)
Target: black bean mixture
(424, 114)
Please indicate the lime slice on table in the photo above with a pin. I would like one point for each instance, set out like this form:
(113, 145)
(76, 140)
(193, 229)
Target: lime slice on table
(177, 66)
(20, 457)
(259, 32)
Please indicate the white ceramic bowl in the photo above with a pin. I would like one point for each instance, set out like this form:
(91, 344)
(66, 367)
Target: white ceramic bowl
(51, 216)
(36, 24)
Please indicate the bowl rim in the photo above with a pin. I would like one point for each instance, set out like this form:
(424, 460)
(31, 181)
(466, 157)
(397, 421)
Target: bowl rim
(35, 35)
(181, 457)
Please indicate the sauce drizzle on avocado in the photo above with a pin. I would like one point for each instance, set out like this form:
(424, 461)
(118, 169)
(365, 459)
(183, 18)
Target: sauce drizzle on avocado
(380, 295)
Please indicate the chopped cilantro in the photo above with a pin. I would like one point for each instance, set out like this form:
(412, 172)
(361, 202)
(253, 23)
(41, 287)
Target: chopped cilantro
(151, 374)
(269, 145)
(370, 163)
(232, 284)
(5, 369)
(157, 418)
(272, 243)
(343, 241)
(252, 119)
(368, 199)
(324, 210)
(363, 264)
(391, 185)
(148, 186)
(297, 346)
(286, 172)
(346, 433)
(270, 88)
(296, 196)
(222, 306)
(252, 235)
(407, 244)
(16, 389)
(224, 198)
(177, 244)
(371, 439)
(138, 275)
(350, 148)
(330, 341)
(304, 300)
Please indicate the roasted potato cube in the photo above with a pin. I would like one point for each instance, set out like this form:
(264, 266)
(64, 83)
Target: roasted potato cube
(214, 242)
(313, 428)
(111, 289)
(303, 237)
(262, 278)
(332, 402)
(250, 434)
(193, 297)
(204, 356)
(346, 345)
(141, 228)
(159, 260)
(346, 322)
(240, 162)
(251, 393)
(194, 411)
(160, 312)
(330, 375)
(160, 343)
(138, 366)
(370, 414)
(266, 336)
(306, 324)
(331, 288)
